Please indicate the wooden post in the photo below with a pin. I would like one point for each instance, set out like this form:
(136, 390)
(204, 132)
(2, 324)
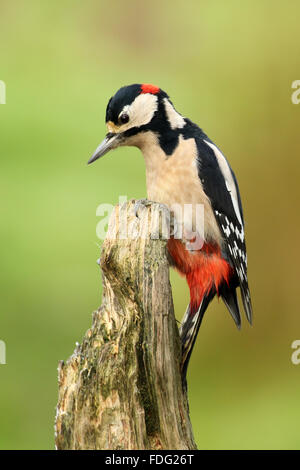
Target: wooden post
(122, 388)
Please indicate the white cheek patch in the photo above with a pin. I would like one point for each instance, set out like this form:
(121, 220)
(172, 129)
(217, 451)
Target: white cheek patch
(140, 112)
(175, 119)
(230, 184)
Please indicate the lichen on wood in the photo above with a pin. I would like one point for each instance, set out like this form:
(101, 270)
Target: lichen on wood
(122, 388)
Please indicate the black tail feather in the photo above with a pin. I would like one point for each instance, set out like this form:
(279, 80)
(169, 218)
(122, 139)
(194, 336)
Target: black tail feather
(189, 330)
(229, 297)
(192, 320)
(245, 293)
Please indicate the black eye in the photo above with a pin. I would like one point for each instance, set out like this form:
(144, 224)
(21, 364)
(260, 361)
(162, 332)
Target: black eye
(124, 118)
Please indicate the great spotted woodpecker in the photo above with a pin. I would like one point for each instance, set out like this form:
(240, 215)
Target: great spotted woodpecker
(184, 167)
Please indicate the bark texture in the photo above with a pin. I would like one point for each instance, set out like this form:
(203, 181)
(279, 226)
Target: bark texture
(121, 388)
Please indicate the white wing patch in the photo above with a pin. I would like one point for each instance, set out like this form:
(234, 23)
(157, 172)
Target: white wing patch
(230, 185)
(175, 119)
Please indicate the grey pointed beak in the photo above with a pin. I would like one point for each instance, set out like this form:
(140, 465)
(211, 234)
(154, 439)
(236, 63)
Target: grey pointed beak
(110, 142)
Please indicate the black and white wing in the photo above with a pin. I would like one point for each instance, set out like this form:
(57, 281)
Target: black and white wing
(220, 185)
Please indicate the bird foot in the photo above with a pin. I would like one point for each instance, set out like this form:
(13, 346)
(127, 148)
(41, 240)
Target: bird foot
(140, 203)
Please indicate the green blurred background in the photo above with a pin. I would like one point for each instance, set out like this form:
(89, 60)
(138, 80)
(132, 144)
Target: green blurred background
(227, 66)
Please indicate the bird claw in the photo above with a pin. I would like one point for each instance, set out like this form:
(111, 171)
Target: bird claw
(139, 204)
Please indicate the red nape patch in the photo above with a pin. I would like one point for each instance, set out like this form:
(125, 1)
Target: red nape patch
(204, 269)
(148, 88)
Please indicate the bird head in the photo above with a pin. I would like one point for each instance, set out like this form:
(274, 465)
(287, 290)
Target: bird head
(133, 111)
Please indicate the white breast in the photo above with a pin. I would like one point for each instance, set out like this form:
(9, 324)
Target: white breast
(174, 181)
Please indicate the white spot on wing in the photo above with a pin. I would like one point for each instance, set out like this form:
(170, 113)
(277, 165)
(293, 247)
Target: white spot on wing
(230, 184)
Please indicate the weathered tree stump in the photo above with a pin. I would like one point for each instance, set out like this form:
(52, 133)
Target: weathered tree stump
(122, 388)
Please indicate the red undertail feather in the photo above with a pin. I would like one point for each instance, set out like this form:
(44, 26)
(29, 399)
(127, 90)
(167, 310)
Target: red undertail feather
(204, 269)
